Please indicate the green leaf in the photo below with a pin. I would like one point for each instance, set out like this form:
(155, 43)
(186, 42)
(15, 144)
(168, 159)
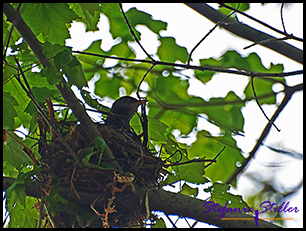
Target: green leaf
(209, 146)
(137, 17)
(204, 76)
(8, 71)
(49, 19)
(42, 93)
(118, 27)
(14, 37)
(173, 113)
(9, 111)
(188, 191)
(220, 195)
(24, 216)
(169, 51)
(263, 87)
(232, 59)
(90, 62)
(156, 129)
(61, 59)
(75, 73)
(100, 146)
(9, 170)
(225, 112)
(51, 50)
(21, 47)
(94, 102)
(9, 107)
(16, 192)
(53, 78)
(160, 223)
(14, 154)
(102, 86)
(191, 172)
(242, 7)
(88, 153)
(89, 13)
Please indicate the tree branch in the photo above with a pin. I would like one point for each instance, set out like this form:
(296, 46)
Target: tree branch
(289, 91)
(79, 111)
(248, 32)
(256, 99)
(159, 200)
(200, 68)
(209, 32)
(133, 33)
(263, 23)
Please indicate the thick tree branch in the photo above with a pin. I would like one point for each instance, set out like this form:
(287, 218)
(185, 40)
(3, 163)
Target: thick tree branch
(15, 18)
(248, 32)
(263, 23)
(159, 200)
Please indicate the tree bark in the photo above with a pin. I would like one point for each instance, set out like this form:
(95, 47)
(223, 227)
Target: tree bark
(159, 200)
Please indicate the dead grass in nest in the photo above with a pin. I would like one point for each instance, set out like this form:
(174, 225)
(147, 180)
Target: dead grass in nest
(139, 167)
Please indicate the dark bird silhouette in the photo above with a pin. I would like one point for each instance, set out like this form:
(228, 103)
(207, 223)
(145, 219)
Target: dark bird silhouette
(122, 111)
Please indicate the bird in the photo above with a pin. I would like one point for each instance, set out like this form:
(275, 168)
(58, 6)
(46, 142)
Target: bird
(122, 111)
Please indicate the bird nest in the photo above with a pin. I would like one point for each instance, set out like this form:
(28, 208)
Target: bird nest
(138, 167)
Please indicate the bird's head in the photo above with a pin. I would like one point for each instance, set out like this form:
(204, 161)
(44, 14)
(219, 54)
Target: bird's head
(123, 110)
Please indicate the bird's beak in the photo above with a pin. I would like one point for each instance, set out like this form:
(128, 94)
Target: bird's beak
(142, 101)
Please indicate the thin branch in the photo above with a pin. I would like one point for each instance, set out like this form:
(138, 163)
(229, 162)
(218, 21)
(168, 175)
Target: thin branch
(42, 114)
(215, 159)
(191, 161)
(281, 13)
(256, 99)
(260, 22)
(217, 24)
(144, 119)
(145, 75)
(42, 203)
(200, 68)
(289, 91)
(49, 215)
(113, 57)
(274, 39)
(172, 223)
(133, 33)
(267, 41)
